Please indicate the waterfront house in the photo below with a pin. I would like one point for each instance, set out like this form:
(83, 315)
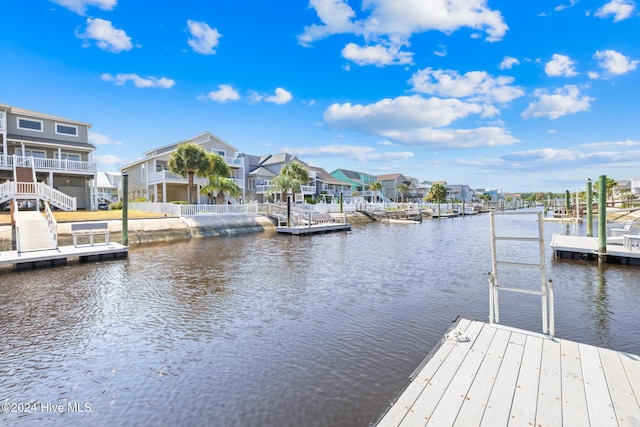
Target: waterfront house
(460, 192)
(108, 186)
(265, 168)
(391, 184)
(328, 187)
(358, 182)
(150, 178)
(45, 157)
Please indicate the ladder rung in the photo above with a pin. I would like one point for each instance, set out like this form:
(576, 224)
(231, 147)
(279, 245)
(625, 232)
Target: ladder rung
(521, 239)
(524, 291)
(518, 264)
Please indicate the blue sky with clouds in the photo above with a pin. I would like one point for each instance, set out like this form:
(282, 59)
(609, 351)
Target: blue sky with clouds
(525, 96)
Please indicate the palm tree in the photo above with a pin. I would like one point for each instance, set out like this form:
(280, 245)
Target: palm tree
(188, 160)
(294, 175)
(402, 189)
(281, 184)
(438, 193)
(375, 187)
(219, 187)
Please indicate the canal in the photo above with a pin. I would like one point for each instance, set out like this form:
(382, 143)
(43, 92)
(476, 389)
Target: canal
(273, 330)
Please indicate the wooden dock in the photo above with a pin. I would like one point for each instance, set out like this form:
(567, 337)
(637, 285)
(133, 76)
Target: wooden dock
(314, 228)
(58, 257)
(583, 247)
(505, 376)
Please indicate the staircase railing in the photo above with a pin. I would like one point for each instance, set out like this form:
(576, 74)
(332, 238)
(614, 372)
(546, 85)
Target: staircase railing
(57, 197)
(51, 223)
(6, 191)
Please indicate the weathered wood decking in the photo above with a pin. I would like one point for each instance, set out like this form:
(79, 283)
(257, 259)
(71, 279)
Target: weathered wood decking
(504, 376)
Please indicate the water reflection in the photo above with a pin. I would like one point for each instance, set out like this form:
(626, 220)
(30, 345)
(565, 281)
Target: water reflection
(270, 330)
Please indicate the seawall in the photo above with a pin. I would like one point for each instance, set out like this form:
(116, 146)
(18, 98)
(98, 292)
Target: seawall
(152, 230)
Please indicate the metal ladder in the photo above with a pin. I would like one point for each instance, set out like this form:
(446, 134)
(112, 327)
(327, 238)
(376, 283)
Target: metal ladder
(546, 286)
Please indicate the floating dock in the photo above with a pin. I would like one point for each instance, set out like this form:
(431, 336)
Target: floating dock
(314, 228)
(584, 247)
(58, 257)
(490, 374)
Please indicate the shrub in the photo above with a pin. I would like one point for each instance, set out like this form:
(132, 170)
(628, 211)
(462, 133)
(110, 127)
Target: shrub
(117, 206)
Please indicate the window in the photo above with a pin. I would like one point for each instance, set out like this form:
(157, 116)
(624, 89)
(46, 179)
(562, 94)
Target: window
(1, 120)
(32, 153)
(29, 124)
(66, 130)
(68, 156)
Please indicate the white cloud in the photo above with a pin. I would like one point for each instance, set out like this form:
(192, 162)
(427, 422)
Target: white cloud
(614, 62)
(223, 94)
(391, 23)
(560, 65)
(620, 9)
(508, 62)
(411, 121)
(204, 39)
(139, 82)
(80, 6)
(378, 55)
(281, 96)
(358, 153)
(106, 36)
(99, 139)
(565, 6)
(107, 159)
(475, 85)
(566, 100)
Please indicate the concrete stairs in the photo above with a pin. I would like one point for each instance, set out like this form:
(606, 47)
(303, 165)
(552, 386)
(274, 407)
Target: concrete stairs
(32, 232)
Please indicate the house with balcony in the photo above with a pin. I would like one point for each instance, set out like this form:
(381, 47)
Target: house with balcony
(391, 184)
(46, 158)
(358, 182)
(263, 169)
(150, 178)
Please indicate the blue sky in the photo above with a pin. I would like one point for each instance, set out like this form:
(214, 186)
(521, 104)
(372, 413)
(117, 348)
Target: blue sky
(524, 96)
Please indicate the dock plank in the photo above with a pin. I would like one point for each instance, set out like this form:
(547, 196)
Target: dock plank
(623, 398)
(574, 399)
(549, 409)
(454, 397)
(599, 404)
(506, 376)
(523, 408)
(500, 400)
(478, 396)
(403, 405)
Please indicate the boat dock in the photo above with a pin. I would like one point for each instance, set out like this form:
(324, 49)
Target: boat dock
(59, 256)
(490, 374)
(583, 247)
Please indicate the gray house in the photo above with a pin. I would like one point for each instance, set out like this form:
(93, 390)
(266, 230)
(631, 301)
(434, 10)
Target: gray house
(45, 157)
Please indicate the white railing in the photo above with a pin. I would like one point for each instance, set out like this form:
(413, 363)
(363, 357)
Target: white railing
(47, 164)
(166, 176)
(59, 198)
(194, 210)
(23, 190)
(106, 196)
(51, 223)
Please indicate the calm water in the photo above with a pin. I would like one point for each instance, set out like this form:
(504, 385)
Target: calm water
(269, 330)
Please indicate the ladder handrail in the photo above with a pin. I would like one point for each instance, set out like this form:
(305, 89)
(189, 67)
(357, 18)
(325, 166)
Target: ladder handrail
(546, 286)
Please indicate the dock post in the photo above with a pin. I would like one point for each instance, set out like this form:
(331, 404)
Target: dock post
(125, 208)
(288, 210)
(589, 207)
(341, 207)
(602, 217)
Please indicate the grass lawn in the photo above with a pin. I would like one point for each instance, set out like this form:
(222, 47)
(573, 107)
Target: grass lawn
(62, 216)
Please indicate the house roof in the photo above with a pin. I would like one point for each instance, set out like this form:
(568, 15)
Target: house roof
(390, 176)
(262, 171)
(106, 179)
(198, 139)
(280, 158)
(325, 176)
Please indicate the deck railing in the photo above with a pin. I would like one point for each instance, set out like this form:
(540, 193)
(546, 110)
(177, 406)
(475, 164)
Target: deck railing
(194, 210)
(41, 163)
(36, 190)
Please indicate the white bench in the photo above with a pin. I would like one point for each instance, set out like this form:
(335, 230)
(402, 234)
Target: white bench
(90, 229)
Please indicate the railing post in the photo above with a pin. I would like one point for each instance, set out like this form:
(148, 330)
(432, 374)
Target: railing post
(125, 207)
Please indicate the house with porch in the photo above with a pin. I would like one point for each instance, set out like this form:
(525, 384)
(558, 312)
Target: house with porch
(150, 178)
(263, 169)
(391, 186)
(46, 158)
(358, 182)
(327, 187)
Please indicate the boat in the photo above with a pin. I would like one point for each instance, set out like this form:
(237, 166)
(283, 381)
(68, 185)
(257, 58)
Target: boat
(418, 220)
